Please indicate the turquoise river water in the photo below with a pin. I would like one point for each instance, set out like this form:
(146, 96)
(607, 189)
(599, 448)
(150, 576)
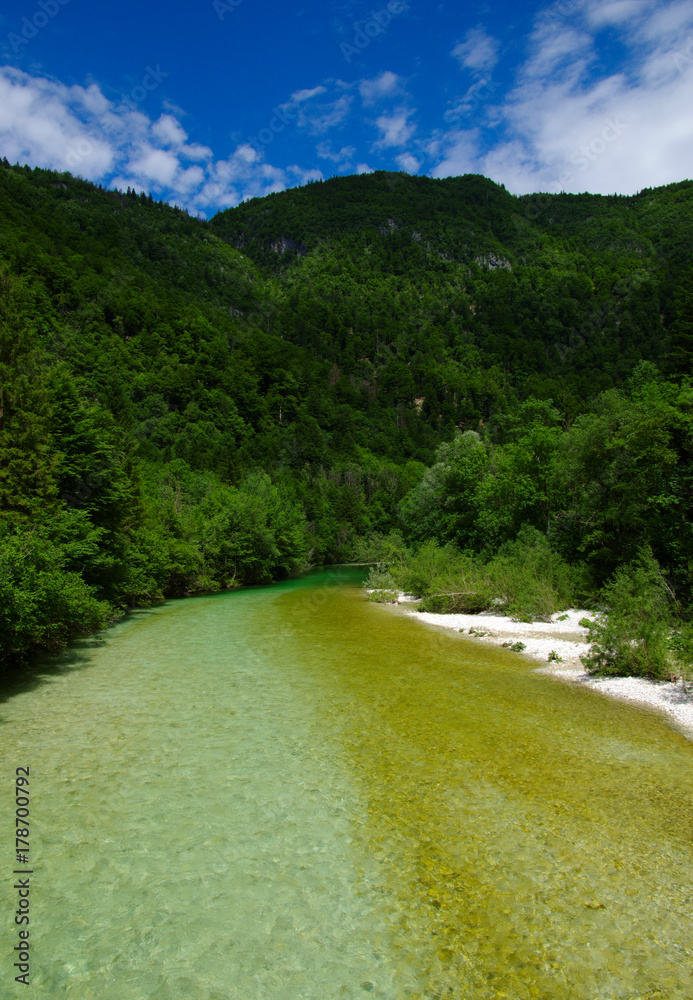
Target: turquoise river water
(288, 793)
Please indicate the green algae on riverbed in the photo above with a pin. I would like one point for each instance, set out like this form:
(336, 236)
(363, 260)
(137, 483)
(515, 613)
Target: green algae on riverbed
(288, 792)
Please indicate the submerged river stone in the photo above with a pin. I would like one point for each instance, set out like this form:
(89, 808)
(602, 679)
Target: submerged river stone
(289, 793)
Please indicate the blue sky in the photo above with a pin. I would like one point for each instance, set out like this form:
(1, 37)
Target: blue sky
(209, 102)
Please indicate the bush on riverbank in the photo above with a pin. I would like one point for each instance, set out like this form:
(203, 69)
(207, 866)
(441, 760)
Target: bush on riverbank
(43, 604)
(533, 580)
(634, 637)
(525, 578)
(381, 586)
(640, 632)
(681, 650)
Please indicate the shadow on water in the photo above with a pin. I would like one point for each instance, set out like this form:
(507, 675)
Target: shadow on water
(48, 666)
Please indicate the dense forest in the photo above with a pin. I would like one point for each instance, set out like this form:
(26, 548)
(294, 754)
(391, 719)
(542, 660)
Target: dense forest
(433, 374)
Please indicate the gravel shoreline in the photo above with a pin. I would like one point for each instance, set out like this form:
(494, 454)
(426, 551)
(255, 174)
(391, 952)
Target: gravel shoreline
(568, 639)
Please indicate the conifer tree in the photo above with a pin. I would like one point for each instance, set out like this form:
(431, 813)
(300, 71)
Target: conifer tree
(27, 470)
(679, 359)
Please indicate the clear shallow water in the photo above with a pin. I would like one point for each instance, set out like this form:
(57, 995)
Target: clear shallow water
(288, 793)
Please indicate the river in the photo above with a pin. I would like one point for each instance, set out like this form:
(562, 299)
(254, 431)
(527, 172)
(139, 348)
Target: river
(288, 793)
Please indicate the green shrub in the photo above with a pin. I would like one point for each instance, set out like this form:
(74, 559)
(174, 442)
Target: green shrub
(525, 578)
(468, 603)
(433, 569)
(383, 596)
(43, 605)
(681, 648)
(380, 579)
(533, 581)
(633, 638)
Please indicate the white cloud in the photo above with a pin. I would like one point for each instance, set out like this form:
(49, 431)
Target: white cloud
(395, 129)
(386, 84)
(46, 124)
(478, 99)
(363, 168)
(462, 154)
(314, 116)
(191, 179)
(667, 22)
(42, 123)
(195, 151)
(299, 96)
(550, 48)
(328, 116)
(478, 52)
(156, 166)
(567, 126)
(601, 14)
(243, 175)
(342, 157)
(299, 175)
(91, 97)
(169, 131)
(408, 162)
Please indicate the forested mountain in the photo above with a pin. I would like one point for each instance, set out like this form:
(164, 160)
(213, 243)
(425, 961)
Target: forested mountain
(191, 404)
(556, 291)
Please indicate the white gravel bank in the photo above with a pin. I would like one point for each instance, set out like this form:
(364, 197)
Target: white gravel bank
(565, 637)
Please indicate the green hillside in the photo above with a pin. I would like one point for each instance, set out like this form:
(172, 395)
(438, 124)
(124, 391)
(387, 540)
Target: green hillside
(557, 291)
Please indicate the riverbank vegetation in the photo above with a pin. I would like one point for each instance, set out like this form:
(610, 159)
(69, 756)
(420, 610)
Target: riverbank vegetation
(490, 396)
(537, 517)
(635, 626)
(532, 517)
